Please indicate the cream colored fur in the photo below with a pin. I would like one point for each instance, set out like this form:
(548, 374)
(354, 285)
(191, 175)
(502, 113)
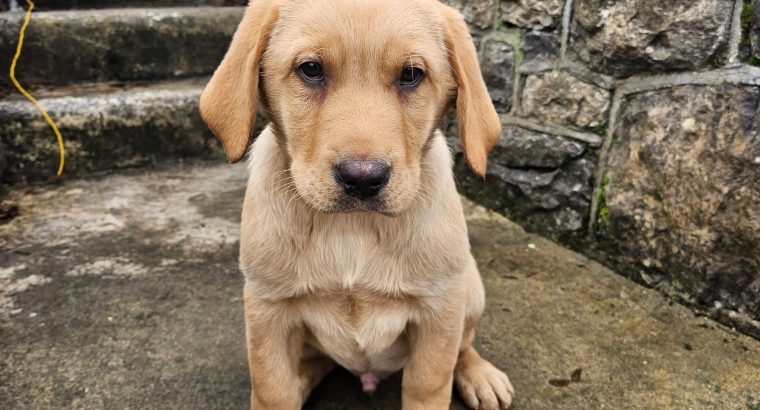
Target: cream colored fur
(374, 292)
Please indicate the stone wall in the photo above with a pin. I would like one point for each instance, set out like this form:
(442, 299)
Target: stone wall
(631, 133)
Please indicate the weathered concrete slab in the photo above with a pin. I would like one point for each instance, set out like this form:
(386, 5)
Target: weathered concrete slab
(72, 47)
(104, 128)
(101, 4)
(123, 292)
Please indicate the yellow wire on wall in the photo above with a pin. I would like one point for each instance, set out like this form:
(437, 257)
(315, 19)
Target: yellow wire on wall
(28, 96)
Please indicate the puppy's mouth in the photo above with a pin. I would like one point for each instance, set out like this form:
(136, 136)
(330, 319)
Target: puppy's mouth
(348, 203)
(330, 200)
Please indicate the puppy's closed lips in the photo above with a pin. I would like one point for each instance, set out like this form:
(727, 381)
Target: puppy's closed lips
(352, 204)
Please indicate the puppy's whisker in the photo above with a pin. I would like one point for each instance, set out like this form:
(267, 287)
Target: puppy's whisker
(283, 182)
(294, 194)
(286, 185)
(275, 178)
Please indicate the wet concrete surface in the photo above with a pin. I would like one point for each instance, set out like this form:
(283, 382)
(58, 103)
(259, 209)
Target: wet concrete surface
(123, 292)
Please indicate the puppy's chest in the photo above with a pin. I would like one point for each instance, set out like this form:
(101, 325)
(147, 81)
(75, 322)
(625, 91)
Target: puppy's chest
(360, 334)
(355, 297)
(341, 260)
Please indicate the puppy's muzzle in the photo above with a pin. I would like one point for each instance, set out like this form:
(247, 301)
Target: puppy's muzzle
(362, 178)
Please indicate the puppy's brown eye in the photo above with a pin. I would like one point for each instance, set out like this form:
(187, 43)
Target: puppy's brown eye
(311, 72)
(411, 77)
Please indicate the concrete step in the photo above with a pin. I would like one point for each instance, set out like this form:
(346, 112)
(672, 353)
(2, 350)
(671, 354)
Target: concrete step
(73, 47)
(104, 128)
(124, 292)
(103, 4)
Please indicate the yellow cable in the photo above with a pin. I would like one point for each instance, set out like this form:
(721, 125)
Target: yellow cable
(21, 89)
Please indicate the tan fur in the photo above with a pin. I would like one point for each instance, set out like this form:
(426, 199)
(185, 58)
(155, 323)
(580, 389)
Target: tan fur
(371, 291)
(479, 124)
(228, 104)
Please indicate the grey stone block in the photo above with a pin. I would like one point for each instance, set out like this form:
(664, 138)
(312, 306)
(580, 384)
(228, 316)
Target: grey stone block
(539, 45)
(542, 181)
(683, 196)
(649, 36)
(560, 98)
(480, 14)
(497, 64)
(71, 47)
(523, 148)
(554, 203)
(533, 14)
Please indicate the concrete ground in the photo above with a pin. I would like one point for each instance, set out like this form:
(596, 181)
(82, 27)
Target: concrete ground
(122, 292)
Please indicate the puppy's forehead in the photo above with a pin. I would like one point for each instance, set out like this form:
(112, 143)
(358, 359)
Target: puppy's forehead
(361, 26)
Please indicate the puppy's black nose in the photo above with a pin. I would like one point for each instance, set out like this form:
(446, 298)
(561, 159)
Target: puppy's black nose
(362, 178)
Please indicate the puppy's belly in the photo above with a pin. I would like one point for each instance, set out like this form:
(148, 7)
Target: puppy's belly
(368, 343)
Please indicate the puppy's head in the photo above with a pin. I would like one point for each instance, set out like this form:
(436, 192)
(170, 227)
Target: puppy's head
(355, 90)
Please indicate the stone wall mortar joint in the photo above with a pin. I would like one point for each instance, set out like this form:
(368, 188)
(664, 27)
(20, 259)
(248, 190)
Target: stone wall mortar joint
(567, 15)
(735, 35)
(734, 74)
(518, 61)
(592, 140)
(601, 168)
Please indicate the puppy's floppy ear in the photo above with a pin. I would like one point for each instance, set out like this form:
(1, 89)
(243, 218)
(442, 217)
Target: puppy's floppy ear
(228, 104)
(479, 124)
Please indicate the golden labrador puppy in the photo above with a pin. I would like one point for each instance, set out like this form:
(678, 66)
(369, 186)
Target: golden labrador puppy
(353, 244)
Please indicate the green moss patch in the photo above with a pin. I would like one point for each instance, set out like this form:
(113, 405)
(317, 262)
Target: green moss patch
(747, 22)
(604, 210)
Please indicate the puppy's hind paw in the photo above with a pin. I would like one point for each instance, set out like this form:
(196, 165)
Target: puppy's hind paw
(481, 385)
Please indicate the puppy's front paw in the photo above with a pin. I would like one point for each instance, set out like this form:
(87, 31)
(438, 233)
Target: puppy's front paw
(481, 385)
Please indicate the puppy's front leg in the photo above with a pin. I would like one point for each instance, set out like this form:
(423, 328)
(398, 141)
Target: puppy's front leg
(275, 348)
(434, 347)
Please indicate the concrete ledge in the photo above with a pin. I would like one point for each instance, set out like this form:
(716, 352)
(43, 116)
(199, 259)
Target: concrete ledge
(72, 47)
(104, 128)
(103, 4)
